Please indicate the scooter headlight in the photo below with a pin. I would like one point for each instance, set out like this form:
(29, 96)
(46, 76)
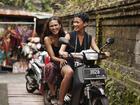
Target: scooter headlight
(91, 56)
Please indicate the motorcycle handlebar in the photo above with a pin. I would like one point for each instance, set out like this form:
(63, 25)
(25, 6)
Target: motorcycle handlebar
(76, 55)
(82, 55)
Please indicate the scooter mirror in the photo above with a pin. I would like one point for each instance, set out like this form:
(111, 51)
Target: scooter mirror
(63, 40)
(110, 41)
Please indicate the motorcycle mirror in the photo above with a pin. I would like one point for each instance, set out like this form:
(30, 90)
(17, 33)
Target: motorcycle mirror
(110, 41)
(63, 40)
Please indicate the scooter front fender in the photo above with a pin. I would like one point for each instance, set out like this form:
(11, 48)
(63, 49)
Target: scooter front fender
(101, 90)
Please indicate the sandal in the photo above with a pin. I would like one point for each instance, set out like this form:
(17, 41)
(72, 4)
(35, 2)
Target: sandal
(58, 103)
(53, 100)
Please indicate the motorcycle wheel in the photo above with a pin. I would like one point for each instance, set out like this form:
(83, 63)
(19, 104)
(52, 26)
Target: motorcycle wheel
(30, 83)
(100, 101)
(29, 87)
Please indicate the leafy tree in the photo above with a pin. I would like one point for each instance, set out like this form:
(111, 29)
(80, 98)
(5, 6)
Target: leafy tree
(28, 4)
(46, 5)
(58, 6)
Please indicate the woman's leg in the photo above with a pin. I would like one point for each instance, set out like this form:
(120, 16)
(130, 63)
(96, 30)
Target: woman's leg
(67, 74)
(52, 88)
(49, 77)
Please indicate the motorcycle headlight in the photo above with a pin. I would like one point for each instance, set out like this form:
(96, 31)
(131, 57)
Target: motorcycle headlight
(91, 56)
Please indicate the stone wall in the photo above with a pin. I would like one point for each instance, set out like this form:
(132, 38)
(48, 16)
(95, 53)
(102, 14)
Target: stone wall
(121, 21)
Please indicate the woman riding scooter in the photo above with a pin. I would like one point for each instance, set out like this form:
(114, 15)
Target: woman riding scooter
(80, 40)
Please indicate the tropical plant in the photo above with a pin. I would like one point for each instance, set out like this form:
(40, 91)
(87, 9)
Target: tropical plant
(60, 6)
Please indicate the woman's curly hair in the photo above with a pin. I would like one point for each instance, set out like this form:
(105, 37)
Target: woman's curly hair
(83, 16)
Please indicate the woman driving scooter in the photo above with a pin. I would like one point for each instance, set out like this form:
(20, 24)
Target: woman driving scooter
(80, 40)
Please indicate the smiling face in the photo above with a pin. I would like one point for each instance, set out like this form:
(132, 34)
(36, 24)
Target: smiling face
(78, 24)
(54, 27)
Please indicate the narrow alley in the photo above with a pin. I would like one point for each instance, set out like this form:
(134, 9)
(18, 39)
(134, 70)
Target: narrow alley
(13, 91)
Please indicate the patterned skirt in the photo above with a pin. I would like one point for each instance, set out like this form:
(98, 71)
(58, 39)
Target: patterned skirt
(52, 71)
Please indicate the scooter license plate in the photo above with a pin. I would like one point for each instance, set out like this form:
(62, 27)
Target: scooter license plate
(94, 73)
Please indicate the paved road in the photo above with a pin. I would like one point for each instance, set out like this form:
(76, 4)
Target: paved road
(14, 87)
(3, 94)
(12, 78)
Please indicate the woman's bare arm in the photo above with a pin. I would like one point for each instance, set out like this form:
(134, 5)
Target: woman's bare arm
(49, 49)
(63, 47)
(94, 45)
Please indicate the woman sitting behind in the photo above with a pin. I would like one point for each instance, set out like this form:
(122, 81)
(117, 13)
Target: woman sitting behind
(54, 31)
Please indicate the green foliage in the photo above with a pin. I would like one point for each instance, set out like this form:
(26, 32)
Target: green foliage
(15, 3)
(120, 94)
(46, 5)
(68, 7)
(29, 6)
(119, 90)
(60, 7)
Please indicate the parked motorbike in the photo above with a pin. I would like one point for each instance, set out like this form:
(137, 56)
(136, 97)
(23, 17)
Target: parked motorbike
(90, 75)
(36, 56)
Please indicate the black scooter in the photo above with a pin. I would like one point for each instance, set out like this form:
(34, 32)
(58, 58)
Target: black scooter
(90, 75)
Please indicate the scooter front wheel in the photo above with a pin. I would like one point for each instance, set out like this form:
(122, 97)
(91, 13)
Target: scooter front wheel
(100, 101)
(104, 101)
(29, 87)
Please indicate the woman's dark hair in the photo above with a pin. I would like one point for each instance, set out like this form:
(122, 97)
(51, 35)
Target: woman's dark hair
(83, 16)
(46, 30)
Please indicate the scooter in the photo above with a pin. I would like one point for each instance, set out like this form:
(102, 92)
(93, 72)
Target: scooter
(91, 76)
(35, 71)
(34, 74)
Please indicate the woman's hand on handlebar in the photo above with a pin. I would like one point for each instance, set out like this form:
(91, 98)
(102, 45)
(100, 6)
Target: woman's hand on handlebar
(107, 54)
(104, 55)
(77, 55)
(74, 55)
